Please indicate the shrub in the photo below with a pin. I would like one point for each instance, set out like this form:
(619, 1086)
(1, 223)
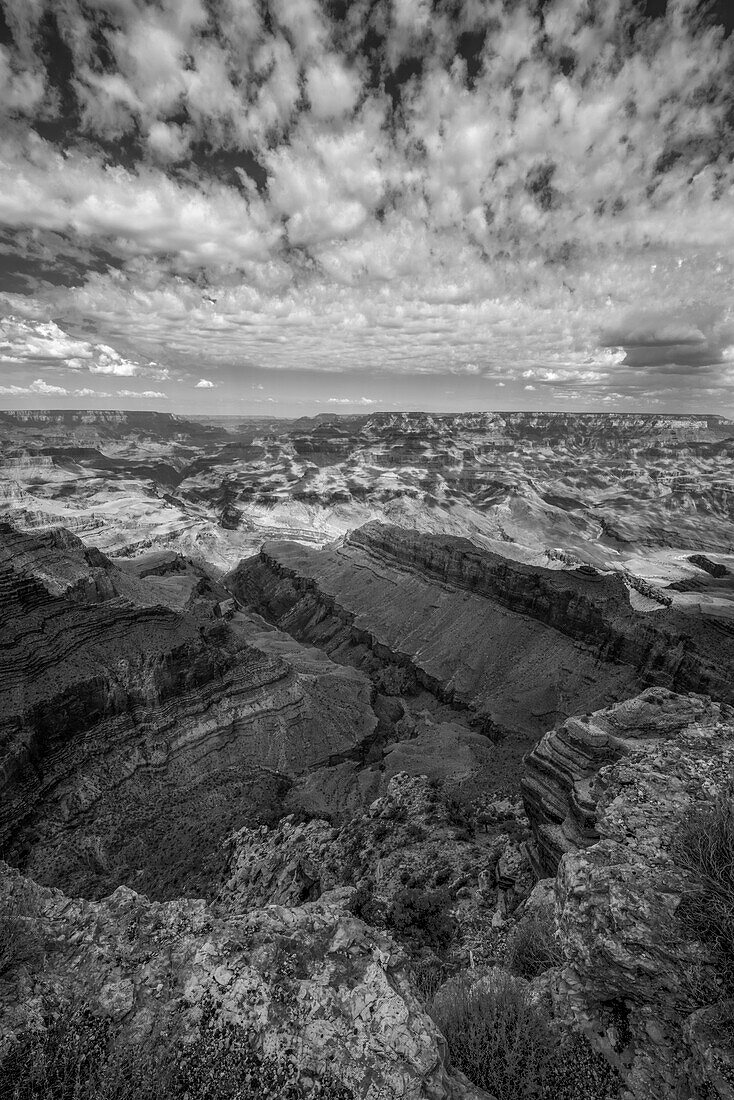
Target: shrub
(395, 680)
(497, 1036)
(531, 946)
(429, 974)
(366, 906)
(422, 918)
(82, 1057)
(704, 846)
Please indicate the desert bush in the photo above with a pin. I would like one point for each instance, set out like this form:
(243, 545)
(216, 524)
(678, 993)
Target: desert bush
(429, 974)
(80, 1056)
(578, 1072)
(422, 918)
(366, 906)
(497, 1036)
(459, 809)
(394, 680)
(531, 946)
(704, 846)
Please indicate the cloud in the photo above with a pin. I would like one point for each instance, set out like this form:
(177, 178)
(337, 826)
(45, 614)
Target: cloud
(351, 401)
(204, 384)
(42, 342)
(37, 387)
(144, 394)
(658, 339)
(368, 194)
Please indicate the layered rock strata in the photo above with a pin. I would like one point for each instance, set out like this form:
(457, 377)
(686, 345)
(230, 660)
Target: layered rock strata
(523, 647)
(613, 791)
(109, 709)
(559, 783)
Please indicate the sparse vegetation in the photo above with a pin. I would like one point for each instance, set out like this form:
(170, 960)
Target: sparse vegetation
(429, 974)
(395, 680)
(497, 1036)
(704, 846)
(422, 918)
(506, 1042)
(80, 1056)
(531, 946)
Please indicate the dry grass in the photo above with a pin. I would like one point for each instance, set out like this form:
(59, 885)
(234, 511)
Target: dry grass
(532, 947)
(704, 846)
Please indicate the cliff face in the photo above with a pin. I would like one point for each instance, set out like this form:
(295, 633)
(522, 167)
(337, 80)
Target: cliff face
(523, 647)
(559, 784)
(109, 706)
(612, 791)
(594, 608)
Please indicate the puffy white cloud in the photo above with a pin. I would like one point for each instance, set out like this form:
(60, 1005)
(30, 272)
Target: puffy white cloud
(547, 222)
(332, 89)
(204, 384)
(35, 341)
(37, 387)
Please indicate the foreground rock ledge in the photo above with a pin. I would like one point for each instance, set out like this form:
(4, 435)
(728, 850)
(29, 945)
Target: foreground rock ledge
(312, 978)
(630, 978)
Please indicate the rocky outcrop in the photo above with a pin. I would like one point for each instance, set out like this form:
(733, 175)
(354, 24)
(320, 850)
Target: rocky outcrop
(521, 646)
(612, 792)
(311, 979)
(416, 837)
(558, 783)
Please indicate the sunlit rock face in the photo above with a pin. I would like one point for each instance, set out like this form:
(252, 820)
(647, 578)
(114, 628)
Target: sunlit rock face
(638, 494)
(606, 796)
(560, 777)
(518, 646)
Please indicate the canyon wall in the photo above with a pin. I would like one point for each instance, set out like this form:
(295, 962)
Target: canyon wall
(127, 728)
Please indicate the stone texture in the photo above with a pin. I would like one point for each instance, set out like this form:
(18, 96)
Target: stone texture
(630, 979)
(312, 978)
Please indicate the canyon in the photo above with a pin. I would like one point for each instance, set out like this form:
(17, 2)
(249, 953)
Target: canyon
(313, 719)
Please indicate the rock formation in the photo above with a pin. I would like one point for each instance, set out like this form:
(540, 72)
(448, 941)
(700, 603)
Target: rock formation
(311, 978)
(612, 791)
(515, 644)
(108, 705)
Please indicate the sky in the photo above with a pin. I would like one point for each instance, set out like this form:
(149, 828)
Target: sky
(300, 206)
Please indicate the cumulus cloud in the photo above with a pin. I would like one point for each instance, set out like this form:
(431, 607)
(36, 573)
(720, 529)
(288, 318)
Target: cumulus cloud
(406, 189)
(41, 342)
(204, 384)
(39, 387)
